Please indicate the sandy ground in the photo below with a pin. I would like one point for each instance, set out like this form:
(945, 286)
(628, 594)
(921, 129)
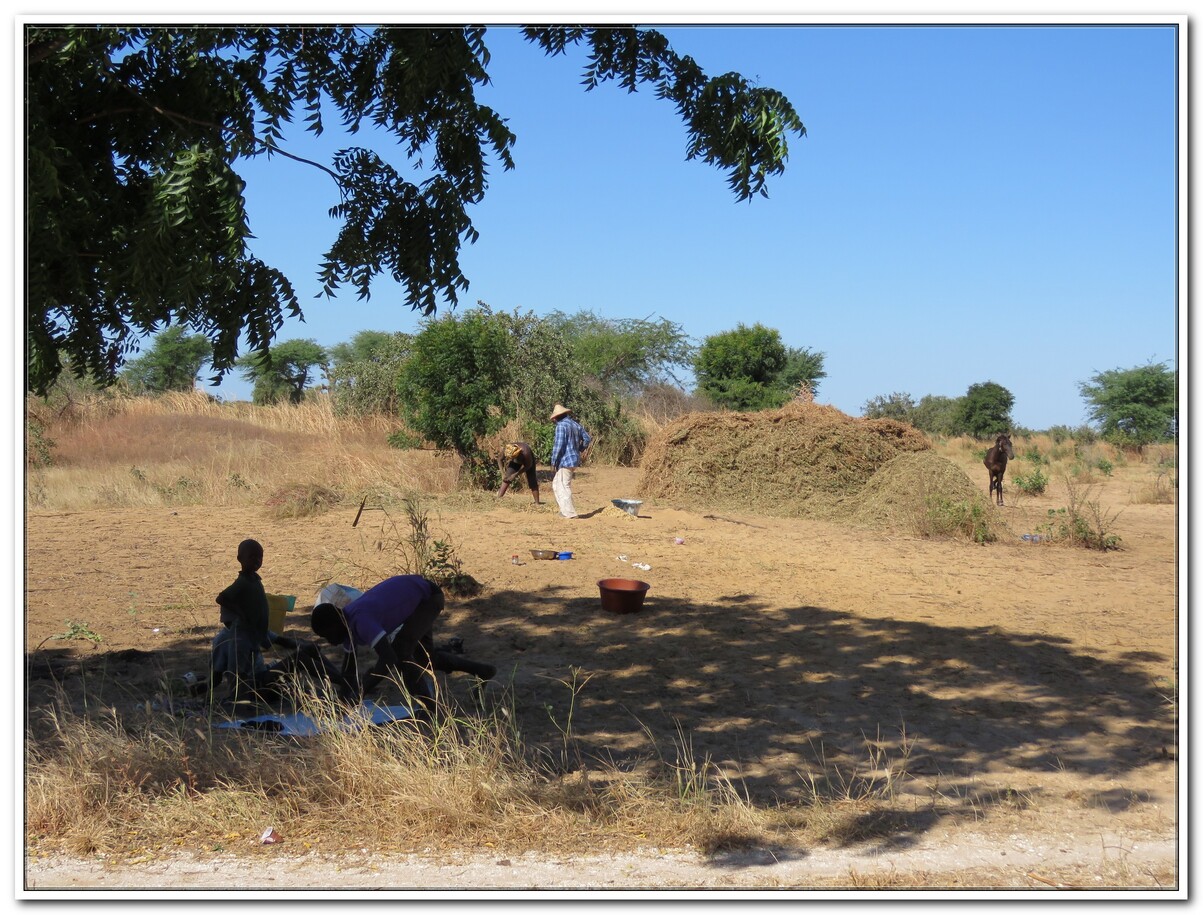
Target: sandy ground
(1029, 687)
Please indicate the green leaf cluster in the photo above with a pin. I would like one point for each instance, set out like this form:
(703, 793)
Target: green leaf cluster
(467, 375)
(364, 371)
(750, 368)
(984, 411)
(452, 386)
(625, 355)
(1135, 406)
(899, 406)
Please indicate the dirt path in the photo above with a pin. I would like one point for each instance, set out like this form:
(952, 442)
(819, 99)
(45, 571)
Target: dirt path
(968, 859)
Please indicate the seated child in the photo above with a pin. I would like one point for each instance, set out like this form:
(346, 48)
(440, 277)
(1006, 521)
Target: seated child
(238, 646)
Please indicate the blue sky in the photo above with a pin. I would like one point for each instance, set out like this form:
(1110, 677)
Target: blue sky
(971, 203)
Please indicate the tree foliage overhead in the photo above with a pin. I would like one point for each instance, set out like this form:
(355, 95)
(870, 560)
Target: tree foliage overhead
(135, 211)
(1134, 406)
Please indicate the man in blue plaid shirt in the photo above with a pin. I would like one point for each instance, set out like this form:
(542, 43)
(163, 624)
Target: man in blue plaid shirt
(568, 451)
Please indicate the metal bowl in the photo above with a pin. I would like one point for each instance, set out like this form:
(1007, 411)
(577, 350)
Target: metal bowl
(543, 554)
(630, 506)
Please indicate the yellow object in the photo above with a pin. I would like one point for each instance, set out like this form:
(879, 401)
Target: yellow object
(278, 605)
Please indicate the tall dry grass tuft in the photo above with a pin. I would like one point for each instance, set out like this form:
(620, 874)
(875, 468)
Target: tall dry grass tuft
(1161, 491)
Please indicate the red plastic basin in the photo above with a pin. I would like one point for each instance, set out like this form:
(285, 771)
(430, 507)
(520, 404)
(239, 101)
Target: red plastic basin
(622, 595)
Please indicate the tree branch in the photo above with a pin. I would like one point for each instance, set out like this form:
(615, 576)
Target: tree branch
(187, 119)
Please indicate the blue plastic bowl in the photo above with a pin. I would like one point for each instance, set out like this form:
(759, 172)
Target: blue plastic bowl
(563, 555)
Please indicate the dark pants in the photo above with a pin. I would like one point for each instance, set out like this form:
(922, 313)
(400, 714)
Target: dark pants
(414, 642)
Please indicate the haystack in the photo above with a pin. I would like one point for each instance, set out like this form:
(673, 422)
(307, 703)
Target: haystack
(802, 460)
(904, 492)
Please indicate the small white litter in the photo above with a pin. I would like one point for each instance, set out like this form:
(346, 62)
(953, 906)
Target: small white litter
(339, 595)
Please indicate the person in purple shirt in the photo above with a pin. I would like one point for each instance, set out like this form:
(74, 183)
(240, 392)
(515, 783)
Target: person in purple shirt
(396, 620)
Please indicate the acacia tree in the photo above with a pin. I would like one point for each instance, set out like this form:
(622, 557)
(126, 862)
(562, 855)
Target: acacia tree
(284, 372)
(625, 355)
(364, 372)
(135, 215)
(803, 369)
(172, 363)
(1134, 406)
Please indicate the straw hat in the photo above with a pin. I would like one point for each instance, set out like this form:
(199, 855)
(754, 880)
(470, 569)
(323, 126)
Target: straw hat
(560, 410)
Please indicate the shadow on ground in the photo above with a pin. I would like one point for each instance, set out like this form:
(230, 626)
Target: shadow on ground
(784, 700)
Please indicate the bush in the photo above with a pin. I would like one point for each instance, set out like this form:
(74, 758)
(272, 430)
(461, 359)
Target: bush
(985, 410)
(1033, 483)
(405, 440)
(1083, 522)
(451, 385)
(958, 517)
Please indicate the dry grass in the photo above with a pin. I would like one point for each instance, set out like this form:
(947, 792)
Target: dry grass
(187, 449)
(146, 784)
(1161, 491)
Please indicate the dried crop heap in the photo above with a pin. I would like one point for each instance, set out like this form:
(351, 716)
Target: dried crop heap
(802, 460)
(902, 492)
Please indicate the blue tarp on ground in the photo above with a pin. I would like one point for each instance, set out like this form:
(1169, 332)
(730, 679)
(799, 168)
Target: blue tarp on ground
(301, 725)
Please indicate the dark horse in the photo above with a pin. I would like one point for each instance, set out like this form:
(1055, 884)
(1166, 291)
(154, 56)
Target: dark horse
(996, 463)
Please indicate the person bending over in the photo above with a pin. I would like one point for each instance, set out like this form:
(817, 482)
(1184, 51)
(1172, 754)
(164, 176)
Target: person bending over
(396, 620)
(519, 459)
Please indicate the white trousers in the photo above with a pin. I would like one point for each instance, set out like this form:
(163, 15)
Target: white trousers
(561, 487)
